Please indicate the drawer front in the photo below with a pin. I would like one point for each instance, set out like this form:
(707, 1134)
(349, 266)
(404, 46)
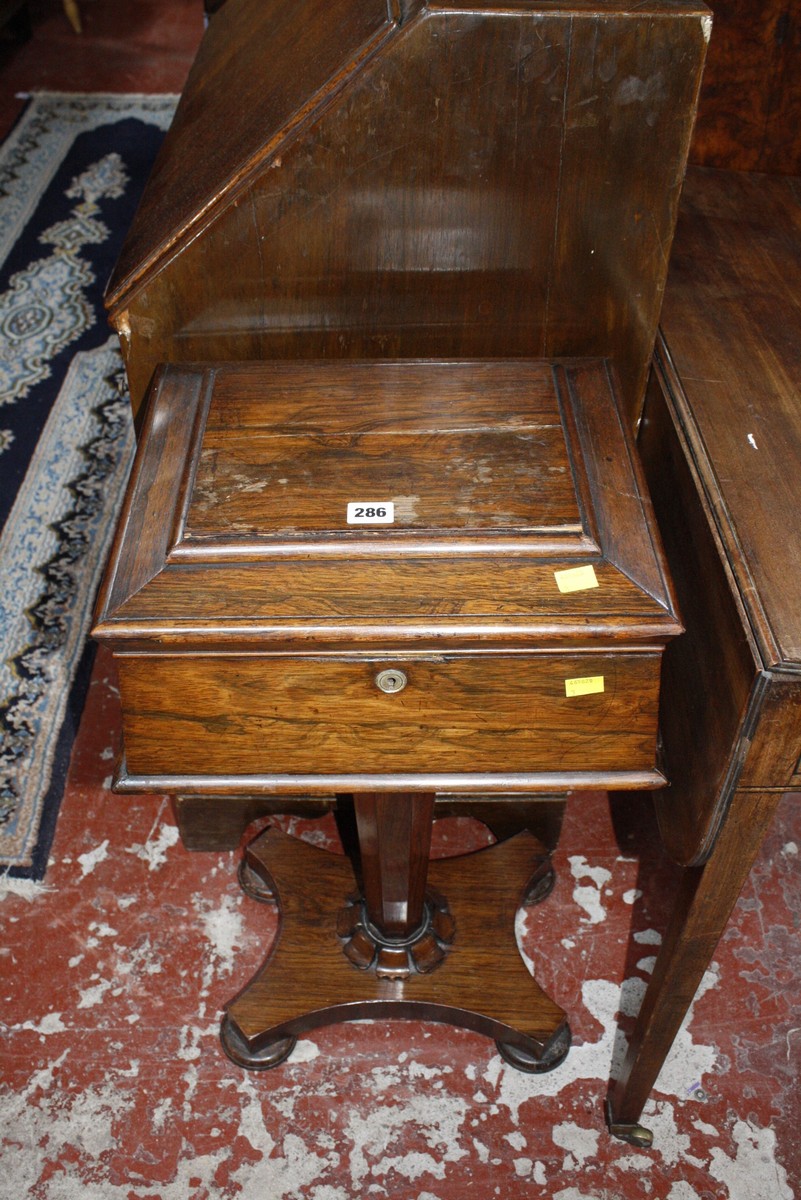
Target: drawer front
(257, 715)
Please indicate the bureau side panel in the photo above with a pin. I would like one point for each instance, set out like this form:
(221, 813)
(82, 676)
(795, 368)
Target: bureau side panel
(490, 184)
(709, 672)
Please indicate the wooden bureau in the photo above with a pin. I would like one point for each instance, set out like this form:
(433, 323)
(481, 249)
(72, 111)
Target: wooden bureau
(721, 444)
(382, 581)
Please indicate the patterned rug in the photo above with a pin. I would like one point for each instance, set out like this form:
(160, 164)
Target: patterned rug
(71, 174)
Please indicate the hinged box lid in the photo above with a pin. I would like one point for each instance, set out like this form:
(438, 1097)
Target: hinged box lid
(341, 502)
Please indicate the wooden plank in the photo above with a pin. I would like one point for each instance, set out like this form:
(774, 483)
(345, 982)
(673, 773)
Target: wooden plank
(244, 94)
(490, 183)
(732, 322)
(710, 677)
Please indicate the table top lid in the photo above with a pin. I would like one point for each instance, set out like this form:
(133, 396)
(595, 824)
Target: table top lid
(496, 495)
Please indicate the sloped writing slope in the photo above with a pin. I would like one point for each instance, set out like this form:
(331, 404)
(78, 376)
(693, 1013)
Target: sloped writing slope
(348, 180)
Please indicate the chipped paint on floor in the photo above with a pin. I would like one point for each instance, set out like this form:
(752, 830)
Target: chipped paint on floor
(114, 1086)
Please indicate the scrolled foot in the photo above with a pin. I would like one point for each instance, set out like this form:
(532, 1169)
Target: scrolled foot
(629, 1132)
(237, 1049)
(553, 1053)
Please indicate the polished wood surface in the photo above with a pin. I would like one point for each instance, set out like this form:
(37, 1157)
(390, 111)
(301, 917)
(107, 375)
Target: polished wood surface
(732, 323)
(749, 115)
(250, 638)
(411, 672)
(439, 565)
(483, 983)
(458, 714)
(450, 445)
(712, 673)
(730, 367)
(720, 441)
(449, 181)
(394, 848)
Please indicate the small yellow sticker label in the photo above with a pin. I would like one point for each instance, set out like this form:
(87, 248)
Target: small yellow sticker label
(576, 579)
(584, 687)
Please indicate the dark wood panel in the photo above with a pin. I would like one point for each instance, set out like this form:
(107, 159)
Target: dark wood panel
(494, 183)
(456, 448)
(155, 497)
(229, 576)
(749, 116)
(417, 601)
(357, 396)
(205, 714)
(775, 750)
(722, 459)
(711, 673)
(244, 86)
(732, 322)
(307, 981)
(479, 480)
(627, 532)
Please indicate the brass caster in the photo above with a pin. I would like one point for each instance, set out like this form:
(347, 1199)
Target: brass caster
(237, 1049)
(540, 885)
(629, 1132)
(552, 1055)
(254, 885)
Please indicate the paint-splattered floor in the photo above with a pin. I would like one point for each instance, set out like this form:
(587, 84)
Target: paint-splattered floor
(114, 1086)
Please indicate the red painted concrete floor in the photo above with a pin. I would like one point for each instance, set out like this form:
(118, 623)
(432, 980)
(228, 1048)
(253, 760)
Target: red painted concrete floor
(115, 1087)
(146, 46)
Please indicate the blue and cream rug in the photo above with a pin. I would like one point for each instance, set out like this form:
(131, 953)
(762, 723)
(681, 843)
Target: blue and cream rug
(70, 177)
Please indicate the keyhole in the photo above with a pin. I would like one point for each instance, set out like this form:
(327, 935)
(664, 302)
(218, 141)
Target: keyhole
(391, 681)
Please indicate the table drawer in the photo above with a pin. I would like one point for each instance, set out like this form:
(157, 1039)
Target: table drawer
(211, 715)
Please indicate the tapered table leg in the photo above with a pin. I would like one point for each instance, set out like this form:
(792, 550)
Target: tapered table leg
(703, 906)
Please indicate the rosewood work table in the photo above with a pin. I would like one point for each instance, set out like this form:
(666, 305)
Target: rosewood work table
(386, 588)
(384, 581)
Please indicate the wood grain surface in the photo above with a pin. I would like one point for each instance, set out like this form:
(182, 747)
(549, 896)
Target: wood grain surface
(732, 323)
(749, 115)
(483, 985)
(721, 442)
(202, 553)
(250, 661)
(454, 182)
(215, 714)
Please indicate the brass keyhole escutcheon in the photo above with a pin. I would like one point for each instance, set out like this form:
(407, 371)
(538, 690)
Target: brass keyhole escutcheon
(391, 680)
